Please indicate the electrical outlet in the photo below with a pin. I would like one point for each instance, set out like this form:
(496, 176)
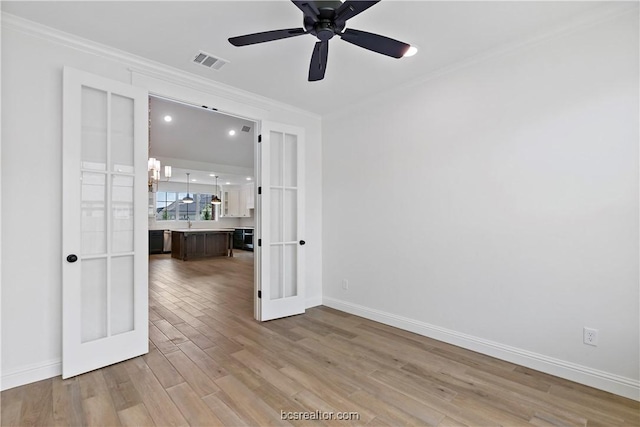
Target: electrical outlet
(590, 336)
(345, 284)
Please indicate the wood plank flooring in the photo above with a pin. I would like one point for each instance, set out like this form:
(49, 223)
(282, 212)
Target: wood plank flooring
(210, 363)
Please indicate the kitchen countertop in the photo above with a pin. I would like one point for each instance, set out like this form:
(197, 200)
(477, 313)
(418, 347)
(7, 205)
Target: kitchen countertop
(203, 230)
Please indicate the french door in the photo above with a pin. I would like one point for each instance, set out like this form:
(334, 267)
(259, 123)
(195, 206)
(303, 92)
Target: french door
(281, 228)
(104, 226)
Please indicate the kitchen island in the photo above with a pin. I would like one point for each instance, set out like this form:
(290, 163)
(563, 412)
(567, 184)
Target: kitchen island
(192, 243)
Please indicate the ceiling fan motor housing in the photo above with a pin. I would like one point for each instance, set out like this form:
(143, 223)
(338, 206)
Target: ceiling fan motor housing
(325, 27)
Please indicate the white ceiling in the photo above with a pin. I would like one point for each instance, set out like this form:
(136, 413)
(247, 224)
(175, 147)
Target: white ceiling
(199, 134)
(173, 32)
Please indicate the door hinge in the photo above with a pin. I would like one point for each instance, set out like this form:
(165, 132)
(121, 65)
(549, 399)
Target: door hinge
(259, 294)
(259, 138)
(259, 242)
(259, 190)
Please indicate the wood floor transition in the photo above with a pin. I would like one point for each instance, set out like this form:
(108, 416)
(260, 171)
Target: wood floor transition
(210, 363)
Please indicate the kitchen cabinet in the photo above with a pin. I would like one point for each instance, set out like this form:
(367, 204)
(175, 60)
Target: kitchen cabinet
(194, 243)
(249, 191)
(156, 241)
(237, 200)
(231, 201)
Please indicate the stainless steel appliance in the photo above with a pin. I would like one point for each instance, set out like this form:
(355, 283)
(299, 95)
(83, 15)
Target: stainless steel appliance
(167, 241)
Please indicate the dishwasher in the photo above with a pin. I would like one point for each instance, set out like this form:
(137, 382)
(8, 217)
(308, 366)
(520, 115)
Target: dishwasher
(167, 241)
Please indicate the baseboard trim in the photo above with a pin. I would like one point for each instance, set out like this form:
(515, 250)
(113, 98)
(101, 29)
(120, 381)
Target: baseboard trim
(313, 302)
(606, 381)
(31, 374)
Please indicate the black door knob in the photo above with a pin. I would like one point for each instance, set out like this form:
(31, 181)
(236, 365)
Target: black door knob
(302, 242)
(72, 258)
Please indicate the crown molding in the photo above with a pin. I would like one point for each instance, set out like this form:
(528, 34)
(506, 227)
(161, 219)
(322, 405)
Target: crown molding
(145, 66)
(588, 19)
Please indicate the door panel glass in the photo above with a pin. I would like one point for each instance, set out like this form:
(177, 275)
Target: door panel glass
(121, 294)
(94, 299)
(290, 160)
(121, 134)
(122, 213)
(276, 215)
(276, 282)
(93, 147)
(290, 270)
(276, 158)
(93, 211)
(290, 219)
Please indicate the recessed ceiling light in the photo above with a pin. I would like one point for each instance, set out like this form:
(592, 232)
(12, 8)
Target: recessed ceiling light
(411, 51)
(212, 174)
(232, 132)
(168, 118)
(227, 183)
(193, 180)
(248, 178)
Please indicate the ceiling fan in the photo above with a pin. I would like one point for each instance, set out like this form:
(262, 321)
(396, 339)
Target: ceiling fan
(325, 19)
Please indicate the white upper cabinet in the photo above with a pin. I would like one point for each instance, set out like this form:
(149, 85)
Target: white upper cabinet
(237, 200)
(249, 195)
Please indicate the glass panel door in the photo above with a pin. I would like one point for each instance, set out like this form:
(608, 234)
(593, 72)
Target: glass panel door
(281, 253)
(104, 222)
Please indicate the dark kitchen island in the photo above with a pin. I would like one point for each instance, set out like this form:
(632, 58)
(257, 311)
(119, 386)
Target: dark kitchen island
(194, 243)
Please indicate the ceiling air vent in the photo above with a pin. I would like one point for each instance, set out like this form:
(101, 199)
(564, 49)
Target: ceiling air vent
(209, 61)
(246, 128)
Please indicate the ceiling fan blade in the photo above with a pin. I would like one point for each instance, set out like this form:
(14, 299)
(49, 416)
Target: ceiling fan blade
(308, 8)
(375, 42)
(266, 36)
(319, 61)
(351, 8)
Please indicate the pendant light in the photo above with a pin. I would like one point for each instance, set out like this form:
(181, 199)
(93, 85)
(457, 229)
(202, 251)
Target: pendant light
(188, 198)
(215, 200)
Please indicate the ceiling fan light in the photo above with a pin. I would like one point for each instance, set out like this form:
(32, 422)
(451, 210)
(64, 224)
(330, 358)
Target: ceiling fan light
(410, 52)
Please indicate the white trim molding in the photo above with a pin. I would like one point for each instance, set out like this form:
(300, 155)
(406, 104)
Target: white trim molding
(32, 373)
(616, 384)
(145, 66)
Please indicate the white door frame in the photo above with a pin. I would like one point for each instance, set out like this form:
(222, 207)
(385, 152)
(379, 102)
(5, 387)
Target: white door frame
(199, 97)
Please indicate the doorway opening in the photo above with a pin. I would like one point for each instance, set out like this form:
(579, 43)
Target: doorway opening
(200, 250)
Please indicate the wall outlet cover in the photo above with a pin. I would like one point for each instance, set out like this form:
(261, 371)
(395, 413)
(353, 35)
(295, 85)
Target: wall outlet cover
(590, 336)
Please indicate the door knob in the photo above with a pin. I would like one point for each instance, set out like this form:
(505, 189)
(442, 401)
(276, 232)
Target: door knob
(302, 242)
(72, 258)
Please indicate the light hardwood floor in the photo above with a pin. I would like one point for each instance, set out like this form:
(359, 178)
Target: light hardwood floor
(210, 363)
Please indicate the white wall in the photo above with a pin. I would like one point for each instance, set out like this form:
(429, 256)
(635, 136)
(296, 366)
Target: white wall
(496, 206)
(31, 158)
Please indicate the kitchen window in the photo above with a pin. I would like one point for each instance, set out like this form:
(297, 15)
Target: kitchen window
(169, 207)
